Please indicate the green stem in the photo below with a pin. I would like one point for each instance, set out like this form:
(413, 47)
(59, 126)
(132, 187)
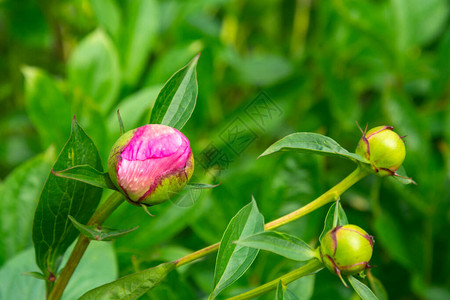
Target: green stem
(100, 215)
(310, 268)
(329, 196)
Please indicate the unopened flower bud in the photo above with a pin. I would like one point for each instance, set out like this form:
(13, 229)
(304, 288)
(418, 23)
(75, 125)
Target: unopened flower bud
(346, 250)
(383, 148)
(151, 163)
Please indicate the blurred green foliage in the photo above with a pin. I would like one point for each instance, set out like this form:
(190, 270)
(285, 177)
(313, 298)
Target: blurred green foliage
(324, 64)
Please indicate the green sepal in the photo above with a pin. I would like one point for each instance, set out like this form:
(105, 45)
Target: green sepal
(121, 127)
(401, 176)
(200, 186)
(100, 233)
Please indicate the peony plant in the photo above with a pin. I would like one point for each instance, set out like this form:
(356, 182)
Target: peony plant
(152, 163)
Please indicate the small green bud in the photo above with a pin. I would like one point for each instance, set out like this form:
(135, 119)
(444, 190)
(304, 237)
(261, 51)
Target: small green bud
(383, 148)
(346, 250)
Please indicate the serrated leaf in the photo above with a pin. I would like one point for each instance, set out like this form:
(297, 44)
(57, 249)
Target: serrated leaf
(132, 286)
(176, 100)
(361, 289)
(19, 194)
(341, 218)
(307, 142)
(52, 230)
(283, 244)
(94, 72)
(232, 259)
(100, 233)
(87, 174)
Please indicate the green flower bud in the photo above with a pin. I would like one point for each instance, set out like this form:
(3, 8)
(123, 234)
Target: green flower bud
(383, 148)
(346, 250)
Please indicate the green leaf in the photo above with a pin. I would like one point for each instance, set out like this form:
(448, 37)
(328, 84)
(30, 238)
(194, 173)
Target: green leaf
(87, 174)
(138, 37)
(284, 293)
(98, 266)
(132, 286)
(52, 230)
(108, 16)
(46, 106)
(280, 291)
(307, 142)
(283, 244)
(176, 100)
(361, 289)
(94, 71)
(19, 195)
(232, 259)
(100, 233)
(333, 215)
(377, 287)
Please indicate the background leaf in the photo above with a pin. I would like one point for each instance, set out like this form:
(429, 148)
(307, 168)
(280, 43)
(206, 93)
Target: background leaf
(52, 230)
(280, 243)
(94, 71)
(50, 116)
(97, 267)
(233, 260)
(377, 287)
(138, 36)
(176, 100)
(132, 286)
(108, 16)
(307, 142)
(18, 196)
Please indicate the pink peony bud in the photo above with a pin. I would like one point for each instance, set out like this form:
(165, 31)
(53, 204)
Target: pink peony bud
(151, 163)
